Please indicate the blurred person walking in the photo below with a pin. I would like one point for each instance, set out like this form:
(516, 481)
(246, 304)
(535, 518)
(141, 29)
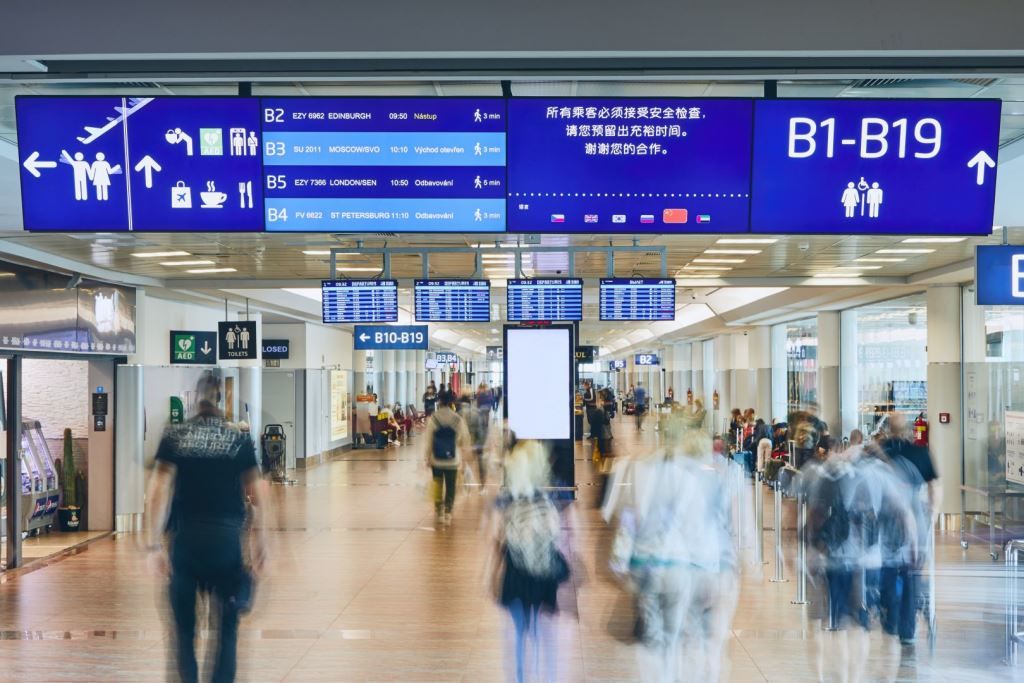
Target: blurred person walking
(640, 406)
(529, 564)
(430, 399)
(447, 439)
(205, 472)
(480, 424)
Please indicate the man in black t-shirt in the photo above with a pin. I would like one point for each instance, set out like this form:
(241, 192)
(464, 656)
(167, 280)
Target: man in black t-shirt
(211, 468)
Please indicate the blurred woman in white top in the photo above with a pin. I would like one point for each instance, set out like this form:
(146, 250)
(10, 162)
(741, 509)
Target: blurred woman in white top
(681, 544)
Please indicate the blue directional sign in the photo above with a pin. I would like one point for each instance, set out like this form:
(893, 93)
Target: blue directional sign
(646, 359)
(999, 275)
(386, 337)
(629, 165)
(359, 301)
(140, 163)
(446, 358)
(888, 167)
(616, 365)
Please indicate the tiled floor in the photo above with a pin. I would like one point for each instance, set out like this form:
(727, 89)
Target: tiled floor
(365, 588)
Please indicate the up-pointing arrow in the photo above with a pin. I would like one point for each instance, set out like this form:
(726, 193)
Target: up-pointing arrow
(147, 165)
(981, 160)
(32, 164)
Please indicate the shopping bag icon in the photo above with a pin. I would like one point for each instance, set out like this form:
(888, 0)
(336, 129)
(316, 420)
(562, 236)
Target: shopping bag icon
(181, 196)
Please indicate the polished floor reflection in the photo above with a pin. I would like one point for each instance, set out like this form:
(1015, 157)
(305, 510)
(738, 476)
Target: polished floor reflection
(364, 587)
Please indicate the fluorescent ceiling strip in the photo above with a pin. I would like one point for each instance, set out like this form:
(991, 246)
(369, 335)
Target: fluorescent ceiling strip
(747, 240)
(200, 271)
(195, 262)
(733, 251)
(357, 269)
(856, 267)
(868, 259)
(933, 240)
(719, 260)
(905, 251)
(838, 275)
(160, 254)
(693, 267)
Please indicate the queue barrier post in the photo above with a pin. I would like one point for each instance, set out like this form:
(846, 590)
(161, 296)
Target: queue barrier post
(779, 557)
(801, 551)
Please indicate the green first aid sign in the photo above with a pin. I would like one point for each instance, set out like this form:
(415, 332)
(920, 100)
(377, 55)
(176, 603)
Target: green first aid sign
(197, 348)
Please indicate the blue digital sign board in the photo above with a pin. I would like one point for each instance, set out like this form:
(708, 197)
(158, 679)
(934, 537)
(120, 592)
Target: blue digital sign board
(460, 301)
(887, 167)
(999, 275)
(544, 300)
(646, 359)
(385, 337)
(637, 299)
(156, 164)
(384, 164)
(629, 165)
(360, 301)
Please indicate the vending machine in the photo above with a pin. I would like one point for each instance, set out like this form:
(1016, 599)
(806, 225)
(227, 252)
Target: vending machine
(40, 495)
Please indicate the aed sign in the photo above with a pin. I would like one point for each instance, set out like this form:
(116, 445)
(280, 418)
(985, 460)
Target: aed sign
(191, 347)
(999, 275)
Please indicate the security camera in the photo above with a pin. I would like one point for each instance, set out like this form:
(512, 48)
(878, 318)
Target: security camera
(804, 246)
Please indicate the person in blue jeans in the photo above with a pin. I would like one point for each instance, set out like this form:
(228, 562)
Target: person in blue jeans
(639, 406)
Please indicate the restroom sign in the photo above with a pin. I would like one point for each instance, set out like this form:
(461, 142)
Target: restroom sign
(236, 340)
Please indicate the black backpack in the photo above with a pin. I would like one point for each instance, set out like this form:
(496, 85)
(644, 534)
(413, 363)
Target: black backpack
(444, 441)
(835, 527)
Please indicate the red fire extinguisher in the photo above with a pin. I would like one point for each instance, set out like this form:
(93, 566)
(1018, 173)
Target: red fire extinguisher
(921, 431)
(689, 397)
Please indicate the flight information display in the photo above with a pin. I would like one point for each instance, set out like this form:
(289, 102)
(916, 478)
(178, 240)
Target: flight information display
(360, 301)
(453, 301)
(629, 165)
(384, 164)
(638, 299)
(886, 167)
(543, 300)
(140, 163)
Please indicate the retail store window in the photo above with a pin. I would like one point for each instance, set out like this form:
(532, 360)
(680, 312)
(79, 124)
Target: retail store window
(801, 348)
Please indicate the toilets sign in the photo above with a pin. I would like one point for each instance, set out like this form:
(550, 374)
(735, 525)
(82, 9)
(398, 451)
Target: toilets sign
(999, 275)
(236, 340)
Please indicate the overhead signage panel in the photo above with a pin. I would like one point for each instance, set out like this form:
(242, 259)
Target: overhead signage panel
(646, 359)
(637, 299)
(870, 166)
(544, 300)
(999, 275)
(191, 347)
(276, 349)
(385, 164)
(359, 301)
(123, 163)
(629, 165)
(467, 301)
(236, 340)
(386, 337)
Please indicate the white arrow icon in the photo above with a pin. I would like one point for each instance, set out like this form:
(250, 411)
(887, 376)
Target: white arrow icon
(205, 348)
(981, 160)
(363, 337)
(32, 164)
(147, 164)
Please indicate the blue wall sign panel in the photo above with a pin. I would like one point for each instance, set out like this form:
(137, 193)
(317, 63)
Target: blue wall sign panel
(638, 299)
(616, 365)
(646, 359)
(889, 167)
(999, 275)
(629, 165)
(460, 301)
(543, 300)
(360, 301)
(157, 164)
(446, 358)
(384, 164)
(385, 337)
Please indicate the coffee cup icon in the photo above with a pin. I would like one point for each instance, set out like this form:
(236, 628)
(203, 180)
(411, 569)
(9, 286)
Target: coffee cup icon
(212, 199)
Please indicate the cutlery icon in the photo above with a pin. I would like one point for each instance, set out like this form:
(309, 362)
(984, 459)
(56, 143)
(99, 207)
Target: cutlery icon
(245, 194)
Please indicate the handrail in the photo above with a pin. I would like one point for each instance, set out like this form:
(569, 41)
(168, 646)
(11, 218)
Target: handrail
(1014, 633)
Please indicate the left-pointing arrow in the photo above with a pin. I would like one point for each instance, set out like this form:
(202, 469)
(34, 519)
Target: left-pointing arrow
(32, 164)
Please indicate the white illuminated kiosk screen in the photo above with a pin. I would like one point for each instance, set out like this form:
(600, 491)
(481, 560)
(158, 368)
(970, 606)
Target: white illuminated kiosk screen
(539, 383)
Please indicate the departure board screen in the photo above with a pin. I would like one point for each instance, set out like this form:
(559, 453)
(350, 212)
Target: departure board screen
(638, 299)
(453, 301)
(653, 165)
(557, 299)
(384, 164)
(360, 301)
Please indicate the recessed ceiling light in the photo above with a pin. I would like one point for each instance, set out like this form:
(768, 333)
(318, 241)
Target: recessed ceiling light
(498, 257)
(494, 330)
(693, 267)
(733, 251)
(856, 267)
(193, 262)
(316, 252)
(719, 260)
(6, 274)
(747, 240)
(933, 240)
(200, 271)
(905, 251)
(160, 254)
(868, 259)
(357, 269)
(837, 275)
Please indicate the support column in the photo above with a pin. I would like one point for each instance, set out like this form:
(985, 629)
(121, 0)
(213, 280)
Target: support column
(250, 381)
(945, 391)
(402, 368)
(388, 377)
(359, 374)
(759, 347)
(12, 476)
(829, 403)
(723, 381)
(129, 450)
(420, 373)
(739, 386)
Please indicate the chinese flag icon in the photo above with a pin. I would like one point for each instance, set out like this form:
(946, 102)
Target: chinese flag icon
(674, 216)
